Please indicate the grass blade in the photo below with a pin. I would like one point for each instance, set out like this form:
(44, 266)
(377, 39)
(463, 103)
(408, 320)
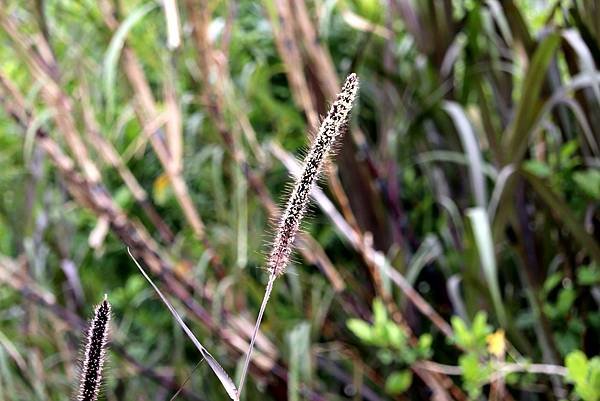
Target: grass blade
(485, 247)
(172, 21)
(212, 362)
(562, 212)
(430, 250)
(455, 157)
(529, 106)
(111, 58)
(299, 346)
(505, 174)
(585, 56)
(471, 147)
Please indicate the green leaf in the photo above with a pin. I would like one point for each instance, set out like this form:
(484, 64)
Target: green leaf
(380, 335)
(398, 382)
(585, 374)
(565, 300)
(561, 211)
(361, 329)
(379, 313)
(480, 327)
(369, 9)
(552, 281)
(425, 341)
(529, 106)
(485, 247)
(123, 198)
(111, 58)
(512, 379)
(396, 335)
(589, 182)
(469, 364)
(473, 338)
(474, 373)
(577, 366)
(537, 168)
(594, 374)
(567, 152)
(588, 275)
(462, 337)
(385, 356)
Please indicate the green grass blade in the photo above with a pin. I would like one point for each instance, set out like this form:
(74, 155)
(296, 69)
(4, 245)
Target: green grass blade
(430, 250)
(485, 246)
(529, 105)
(562, 212)
(223, 377)
(471, 147)
(299, 363)
(111, 58)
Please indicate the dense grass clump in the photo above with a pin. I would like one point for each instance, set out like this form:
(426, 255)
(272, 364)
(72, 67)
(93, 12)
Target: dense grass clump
(452, 250)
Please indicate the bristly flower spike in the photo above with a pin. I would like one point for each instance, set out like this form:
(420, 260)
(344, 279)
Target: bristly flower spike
(95, 353)
(331, 128)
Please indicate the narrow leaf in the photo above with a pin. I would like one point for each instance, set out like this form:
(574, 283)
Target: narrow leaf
(212, 362)
(562, 212)
(111, 58)
(471, 147)
(485, 247)
(529, 106)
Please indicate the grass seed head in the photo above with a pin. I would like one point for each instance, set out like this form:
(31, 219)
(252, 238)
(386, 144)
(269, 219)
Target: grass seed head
(95, 353)
(331, 128)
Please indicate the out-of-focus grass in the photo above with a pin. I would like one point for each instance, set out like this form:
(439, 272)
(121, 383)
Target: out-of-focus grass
(472, 158)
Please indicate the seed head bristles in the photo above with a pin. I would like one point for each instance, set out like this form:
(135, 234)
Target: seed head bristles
(95, 353)
(330, 129)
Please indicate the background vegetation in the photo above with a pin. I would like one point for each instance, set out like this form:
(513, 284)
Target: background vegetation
(451, 253)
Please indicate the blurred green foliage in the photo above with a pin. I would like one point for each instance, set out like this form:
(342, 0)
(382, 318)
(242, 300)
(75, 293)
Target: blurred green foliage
(472, 164)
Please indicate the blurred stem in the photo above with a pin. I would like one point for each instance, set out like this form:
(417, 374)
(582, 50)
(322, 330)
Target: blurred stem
(40, 15)
(32, 292)
(533, 276)
(542, 331)
(488, 125)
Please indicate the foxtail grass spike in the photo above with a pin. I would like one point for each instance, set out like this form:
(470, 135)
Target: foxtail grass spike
(333, 126)
(95, 353)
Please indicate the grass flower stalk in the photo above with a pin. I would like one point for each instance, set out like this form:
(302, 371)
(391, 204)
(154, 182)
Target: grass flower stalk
(332, 127)
(95, 353)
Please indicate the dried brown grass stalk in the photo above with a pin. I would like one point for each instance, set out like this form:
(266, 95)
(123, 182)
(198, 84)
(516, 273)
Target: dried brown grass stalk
(96, 198)
(289, 48)
(109, 154)
(293, 16)
(331, 128)
(13, 275)
(146, 110)
(214, 96)
(90, 192)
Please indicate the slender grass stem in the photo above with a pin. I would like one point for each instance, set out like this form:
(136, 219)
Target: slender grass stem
(331, 128)
(261, 312)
